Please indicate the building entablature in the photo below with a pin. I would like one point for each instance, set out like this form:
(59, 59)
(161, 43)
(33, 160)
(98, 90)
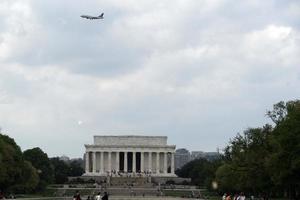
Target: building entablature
(132, 140)
(127, 148)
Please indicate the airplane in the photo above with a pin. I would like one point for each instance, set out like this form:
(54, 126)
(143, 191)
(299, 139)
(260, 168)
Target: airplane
(92, 17)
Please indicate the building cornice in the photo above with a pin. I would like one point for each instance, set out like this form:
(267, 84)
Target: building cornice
(128, 146)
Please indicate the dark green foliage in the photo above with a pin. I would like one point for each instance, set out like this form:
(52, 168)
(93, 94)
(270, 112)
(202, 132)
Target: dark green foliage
(64, 169)
(61, 170)
(76, 168)
(284, 161)
(28, 181)
(265, 160)
(261, 161)
(201, 171)
(10, 161)
(31, 170)
(244, 168)
(41, 162)
(16, 175)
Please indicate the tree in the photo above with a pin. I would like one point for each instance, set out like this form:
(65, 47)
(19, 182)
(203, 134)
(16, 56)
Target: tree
(41, 162)
(61, 170)
(76, 168)
(226, 178)
(278, 113)
(244, 168)
(10, 162)
(16, 175)
(29, 179)
(284, 160)
(201, 171)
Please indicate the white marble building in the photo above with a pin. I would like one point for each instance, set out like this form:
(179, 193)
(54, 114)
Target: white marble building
(143, 155)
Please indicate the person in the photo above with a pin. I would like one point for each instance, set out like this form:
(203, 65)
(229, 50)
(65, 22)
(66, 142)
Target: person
(105, 196)
(89, 198)
(241, 197)
(224, 196)
(1, 195)
(228, 197)
(98, 196)
(77, 196)
(235, 197)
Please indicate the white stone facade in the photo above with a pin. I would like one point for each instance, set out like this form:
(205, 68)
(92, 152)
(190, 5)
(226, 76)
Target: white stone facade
(130, 155)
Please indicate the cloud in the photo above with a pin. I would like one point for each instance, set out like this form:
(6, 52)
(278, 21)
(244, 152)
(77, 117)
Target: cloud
(196, 71)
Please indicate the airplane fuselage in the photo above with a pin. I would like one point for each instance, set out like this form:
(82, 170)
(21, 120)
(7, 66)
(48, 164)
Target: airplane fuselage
(92, 17)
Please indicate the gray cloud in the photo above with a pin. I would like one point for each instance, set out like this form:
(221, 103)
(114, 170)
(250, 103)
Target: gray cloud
(196, 71)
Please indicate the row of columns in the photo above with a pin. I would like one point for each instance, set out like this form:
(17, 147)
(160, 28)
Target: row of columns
(117, 162)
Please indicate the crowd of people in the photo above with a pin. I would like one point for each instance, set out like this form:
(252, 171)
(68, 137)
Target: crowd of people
(99, 196)
(114, 173)
(240, 196)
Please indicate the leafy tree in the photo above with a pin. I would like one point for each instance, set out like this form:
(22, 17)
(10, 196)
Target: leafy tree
(267, 159)
(76, 168)
(226, 178)
(30, 177)
(28, 181)
(284, 160)
(278, 113)
(10, 162)
(245, 162)
(61, 170)
(41, 162)
(16, 175)
(201, 171)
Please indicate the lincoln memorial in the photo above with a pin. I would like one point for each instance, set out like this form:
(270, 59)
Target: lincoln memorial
(131, 155)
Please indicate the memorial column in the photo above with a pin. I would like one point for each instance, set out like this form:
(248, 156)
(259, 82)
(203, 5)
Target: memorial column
(133, 161)
(142, 161)
(150, 162)
(87, 162)
(109, 161)
(94, 162)
(102, 162)
(165, 163)
(172, 163)
(125, 161)
(117, 161)
(157, 163)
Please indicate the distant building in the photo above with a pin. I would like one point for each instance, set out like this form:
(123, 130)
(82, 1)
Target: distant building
(197, 154)
(129, 154)
(64, 158)
(212, 155)
(182, 156)
(206, 155)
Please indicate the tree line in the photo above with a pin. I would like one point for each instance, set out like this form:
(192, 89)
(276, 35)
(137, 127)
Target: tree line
(31, 170)
(260, 161)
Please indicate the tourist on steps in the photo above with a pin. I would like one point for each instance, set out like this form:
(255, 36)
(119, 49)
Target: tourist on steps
(98, 196)
(105, 196)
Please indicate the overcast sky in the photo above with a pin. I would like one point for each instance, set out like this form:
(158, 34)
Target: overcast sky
(196, 71)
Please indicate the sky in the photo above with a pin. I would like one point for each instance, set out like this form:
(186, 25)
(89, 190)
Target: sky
(197, 71)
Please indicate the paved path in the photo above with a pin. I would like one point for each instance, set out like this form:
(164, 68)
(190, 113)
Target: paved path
(133, 188)
(111, 197)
